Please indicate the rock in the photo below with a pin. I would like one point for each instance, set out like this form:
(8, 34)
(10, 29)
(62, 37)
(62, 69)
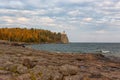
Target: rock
(4, 72)
(24, 77)
(96, 75)
(46, 73)
(15, 68)
(17, 44)
(10, 67)
(22, 69)
(41, 72)
(57, 76)
(6, 75)
(95, 57)
(28, 63)
(67, 70)
(18, 55)
(76, 77)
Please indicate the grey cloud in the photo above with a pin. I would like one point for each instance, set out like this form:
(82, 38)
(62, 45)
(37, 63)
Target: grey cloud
(84, 15)
(12, 4)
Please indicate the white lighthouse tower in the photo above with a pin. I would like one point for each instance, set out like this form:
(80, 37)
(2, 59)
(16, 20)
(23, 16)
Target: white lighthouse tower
(63, 32)
(64, 38)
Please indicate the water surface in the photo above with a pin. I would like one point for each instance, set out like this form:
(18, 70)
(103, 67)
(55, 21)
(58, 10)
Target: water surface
(113, 48)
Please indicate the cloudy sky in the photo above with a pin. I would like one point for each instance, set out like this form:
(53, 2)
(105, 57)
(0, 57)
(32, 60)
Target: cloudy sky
(83, 20)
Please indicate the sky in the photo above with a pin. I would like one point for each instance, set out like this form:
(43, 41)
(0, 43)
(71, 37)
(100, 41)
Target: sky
(83, 20)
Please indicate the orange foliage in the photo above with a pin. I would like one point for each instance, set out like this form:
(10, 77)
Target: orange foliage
(29, 35)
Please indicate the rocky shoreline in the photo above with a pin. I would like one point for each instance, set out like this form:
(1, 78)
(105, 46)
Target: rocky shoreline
(20, 63)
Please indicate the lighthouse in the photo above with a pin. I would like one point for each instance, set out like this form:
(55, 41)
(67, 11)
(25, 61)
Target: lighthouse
(64, 38)
(63, 32)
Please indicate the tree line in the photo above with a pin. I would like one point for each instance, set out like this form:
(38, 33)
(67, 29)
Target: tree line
(29, 35)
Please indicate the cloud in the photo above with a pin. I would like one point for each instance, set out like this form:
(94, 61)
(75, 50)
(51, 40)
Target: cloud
(74, 13)
(101, 31)
(16, 4)
(22, 19)
(46, 19)
(117, 5)
(7, 19)
(16, 12)
(87, 17)
(12, 4)
(76, 1)
(12, 20)
(106, 3)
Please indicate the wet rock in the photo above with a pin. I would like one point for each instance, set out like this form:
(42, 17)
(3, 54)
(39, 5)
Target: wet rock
(17, 44)
(109, 68)
(95, 57)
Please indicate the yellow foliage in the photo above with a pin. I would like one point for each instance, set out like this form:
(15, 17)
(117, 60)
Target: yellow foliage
(29, 35)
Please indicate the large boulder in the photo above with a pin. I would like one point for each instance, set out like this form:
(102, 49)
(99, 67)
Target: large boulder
(67, 70)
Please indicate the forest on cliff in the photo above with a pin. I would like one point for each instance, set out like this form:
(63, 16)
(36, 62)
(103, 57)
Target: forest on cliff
(29, 35)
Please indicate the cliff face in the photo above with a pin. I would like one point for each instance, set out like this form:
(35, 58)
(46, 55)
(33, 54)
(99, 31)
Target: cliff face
(64, 39)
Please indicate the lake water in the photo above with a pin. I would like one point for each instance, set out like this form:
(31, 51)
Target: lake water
(106, 48)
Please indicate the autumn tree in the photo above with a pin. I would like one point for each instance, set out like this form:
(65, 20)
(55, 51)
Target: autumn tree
(29, 35)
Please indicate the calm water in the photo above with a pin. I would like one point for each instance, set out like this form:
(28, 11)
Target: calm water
(106, 48)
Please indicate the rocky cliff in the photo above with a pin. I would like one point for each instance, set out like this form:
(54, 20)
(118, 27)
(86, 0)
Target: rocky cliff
(64, 38)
